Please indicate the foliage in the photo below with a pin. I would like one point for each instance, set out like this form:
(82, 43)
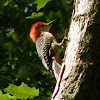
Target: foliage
(18, 92)
(6, 96)
(19, 61)
(40, 3)
(22, 91)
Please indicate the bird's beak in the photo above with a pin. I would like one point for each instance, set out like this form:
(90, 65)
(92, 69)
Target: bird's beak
(51, 22)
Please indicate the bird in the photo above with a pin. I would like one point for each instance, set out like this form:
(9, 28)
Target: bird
(46, 44)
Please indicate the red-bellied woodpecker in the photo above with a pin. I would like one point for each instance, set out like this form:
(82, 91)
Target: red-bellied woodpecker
(46, 44)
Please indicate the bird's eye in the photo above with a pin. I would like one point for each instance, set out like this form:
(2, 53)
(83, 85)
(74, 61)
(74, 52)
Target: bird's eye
(42, 25)
(36, 28)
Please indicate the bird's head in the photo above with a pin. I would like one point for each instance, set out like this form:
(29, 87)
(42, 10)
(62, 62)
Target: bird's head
(38, 28)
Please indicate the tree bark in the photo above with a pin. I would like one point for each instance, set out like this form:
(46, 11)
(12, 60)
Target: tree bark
(80, 71)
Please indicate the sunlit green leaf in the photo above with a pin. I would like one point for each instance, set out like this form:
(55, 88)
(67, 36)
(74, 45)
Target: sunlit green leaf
(6, 3)
(22, 91)
(6, 96)
(15, 5)
(35, 15)
(40, 3)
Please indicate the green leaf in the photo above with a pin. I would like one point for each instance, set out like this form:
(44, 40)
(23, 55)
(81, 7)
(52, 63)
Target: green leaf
(22, 91)
(35, 15)
(6, 3)
(13, 35)
(6, 96)
(40, 3)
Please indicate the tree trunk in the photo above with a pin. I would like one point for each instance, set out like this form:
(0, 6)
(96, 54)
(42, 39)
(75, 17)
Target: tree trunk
(80, 70)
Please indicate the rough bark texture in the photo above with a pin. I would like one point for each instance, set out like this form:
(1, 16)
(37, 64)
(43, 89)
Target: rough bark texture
(80, 70)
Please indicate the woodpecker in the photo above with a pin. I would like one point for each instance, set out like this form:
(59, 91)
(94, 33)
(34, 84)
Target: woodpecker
(46, 44)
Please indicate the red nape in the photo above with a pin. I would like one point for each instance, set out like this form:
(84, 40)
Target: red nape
(34, 33)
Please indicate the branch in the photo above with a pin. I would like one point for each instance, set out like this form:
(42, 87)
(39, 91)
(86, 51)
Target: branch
(77, 57)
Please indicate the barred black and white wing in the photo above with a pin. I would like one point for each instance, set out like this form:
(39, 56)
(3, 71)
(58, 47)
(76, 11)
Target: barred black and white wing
(43, 46)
